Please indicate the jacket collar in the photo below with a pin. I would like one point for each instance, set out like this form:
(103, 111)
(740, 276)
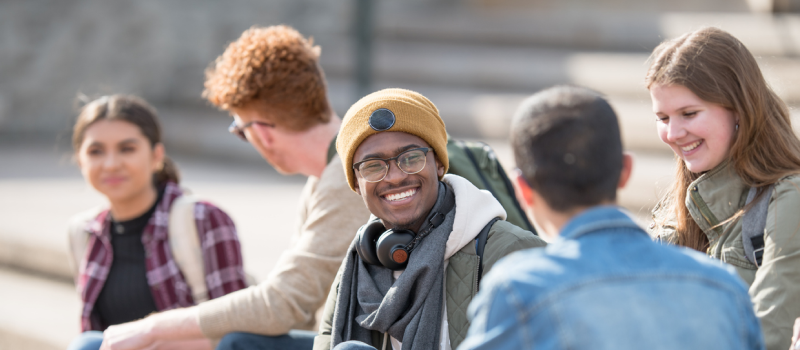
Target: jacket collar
(157, 226)
(474, 209)
(596, 219)
(715, 196)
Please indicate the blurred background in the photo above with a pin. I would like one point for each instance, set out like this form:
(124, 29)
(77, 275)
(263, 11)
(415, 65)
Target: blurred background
(475, 59)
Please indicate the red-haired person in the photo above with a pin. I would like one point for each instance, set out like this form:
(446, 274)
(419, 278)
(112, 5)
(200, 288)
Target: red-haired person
(269, 80)
(128, 270)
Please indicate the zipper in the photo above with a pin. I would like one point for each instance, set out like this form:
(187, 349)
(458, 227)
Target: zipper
(477, 277)
(712, 244)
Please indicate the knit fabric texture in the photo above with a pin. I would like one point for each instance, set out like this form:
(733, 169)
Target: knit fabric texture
(414, 114)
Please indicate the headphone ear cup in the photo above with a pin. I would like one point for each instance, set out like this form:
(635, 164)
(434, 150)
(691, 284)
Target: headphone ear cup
(391, 248)
(366, 239)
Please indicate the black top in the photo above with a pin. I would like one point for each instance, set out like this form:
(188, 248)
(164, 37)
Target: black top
(126, 295)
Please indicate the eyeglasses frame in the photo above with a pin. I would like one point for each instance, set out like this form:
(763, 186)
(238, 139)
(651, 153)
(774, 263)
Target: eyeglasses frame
(238, 131)
(395, 158)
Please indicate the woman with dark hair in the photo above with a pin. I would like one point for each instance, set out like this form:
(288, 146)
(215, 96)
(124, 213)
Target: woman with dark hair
(736, 193)
(129, 261)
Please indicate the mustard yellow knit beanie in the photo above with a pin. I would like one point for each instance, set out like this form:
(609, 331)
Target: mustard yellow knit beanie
(390, 110)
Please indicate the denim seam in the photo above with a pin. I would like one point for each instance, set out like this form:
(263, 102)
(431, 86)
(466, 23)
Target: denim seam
(559, 292)
(603, 225)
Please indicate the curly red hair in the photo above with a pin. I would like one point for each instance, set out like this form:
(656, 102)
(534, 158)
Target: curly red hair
(274, 69)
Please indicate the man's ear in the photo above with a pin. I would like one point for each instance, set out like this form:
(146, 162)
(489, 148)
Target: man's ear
(627, 169)
(355, 185)
(523, 190)
(439, 167)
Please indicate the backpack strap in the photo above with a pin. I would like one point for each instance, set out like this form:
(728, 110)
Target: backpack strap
(184, 242)
(753, 224)
(79, 236)
(480, 245)
(502, 174)
(474, 161)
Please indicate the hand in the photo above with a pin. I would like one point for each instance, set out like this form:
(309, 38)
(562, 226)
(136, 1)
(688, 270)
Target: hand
(796, 335)
(129, 336)
(157, 331)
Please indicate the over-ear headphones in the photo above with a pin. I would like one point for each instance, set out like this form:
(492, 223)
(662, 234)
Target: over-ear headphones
(378, 246)
(391, 248)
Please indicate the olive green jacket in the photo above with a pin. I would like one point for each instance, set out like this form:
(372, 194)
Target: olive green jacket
(461, 273)
(775, 286)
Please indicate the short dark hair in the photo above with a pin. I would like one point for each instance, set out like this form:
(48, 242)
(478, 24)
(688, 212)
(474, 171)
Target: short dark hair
(567, 144)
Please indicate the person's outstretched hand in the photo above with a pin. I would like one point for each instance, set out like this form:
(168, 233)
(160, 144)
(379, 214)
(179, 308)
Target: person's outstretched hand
(129, 336)
(796, 335)
(175, 329)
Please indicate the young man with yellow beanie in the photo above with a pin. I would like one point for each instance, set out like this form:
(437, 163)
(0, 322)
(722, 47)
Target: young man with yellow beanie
(412, 269)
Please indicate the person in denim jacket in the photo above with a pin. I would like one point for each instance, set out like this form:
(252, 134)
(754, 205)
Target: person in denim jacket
(602, 283)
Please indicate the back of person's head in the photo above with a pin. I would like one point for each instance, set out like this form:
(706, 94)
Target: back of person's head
(567, 145)
(130, 109)
(275, 70)
(718, 68)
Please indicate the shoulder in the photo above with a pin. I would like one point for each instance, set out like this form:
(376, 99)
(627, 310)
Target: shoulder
(506, 238)
(209, 218)
(783, 221)
(504, 233)
(333, 177)
(784, 203)
(332, 192)
(788, 188)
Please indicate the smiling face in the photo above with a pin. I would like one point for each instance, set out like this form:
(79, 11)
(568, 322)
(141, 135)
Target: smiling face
(400, 200)
(118, 160)
(699, 132)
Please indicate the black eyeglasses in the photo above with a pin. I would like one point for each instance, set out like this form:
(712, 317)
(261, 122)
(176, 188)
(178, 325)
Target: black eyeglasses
(239, 130)
(410, 162)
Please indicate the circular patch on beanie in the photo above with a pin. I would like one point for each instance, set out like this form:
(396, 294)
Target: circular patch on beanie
(381, 119)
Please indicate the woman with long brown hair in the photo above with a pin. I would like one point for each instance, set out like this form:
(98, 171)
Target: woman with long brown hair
(736, 193)
(136, 256)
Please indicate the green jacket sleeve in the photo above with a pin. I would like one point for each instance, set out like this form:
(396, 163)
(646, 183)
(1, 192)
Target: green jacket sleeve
(510, 240)
(776, 288)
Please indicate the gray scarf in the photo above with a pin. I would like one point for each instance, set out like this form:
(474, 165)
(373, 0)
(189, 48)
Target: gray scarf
(410, 309)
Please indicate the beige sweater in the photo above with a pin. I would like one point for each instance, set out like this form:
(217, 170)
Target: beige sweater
(330, 215)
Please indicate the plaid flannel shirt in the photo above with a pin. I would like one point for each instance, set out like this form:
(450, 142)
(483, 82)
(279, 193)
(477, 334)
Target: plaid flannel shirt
(218, 240)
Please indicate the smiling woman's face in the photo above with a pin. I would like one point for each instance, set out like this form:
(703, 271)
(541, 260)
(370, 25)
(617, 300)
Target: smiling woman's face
(117, 159)
(699, 132)
(400, 200)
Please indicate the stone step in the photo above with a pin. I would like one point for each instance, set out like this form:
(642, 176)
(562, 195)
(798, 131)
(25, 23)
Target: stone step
(586, 27)
(526, 69)
(37, 313)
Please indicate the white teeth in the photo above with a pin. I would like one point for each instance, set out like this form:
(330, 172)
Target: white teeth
(401, 195)
(691, 146)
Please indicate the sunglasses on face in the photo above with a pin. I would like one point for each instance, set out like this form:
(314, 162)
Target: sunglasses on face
(410, 162)
(239, 130)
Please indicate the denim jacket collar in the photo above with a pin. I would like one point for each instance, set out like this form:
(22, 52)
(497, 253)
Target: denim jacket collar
(595, 219)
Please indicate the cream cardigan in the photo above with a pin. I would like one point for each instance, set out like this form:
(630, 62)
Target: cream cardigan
(330, 215)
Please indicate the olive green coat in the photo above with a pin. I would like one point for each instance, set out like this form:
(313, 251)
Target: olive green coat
(774, 287)
(461, 282)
